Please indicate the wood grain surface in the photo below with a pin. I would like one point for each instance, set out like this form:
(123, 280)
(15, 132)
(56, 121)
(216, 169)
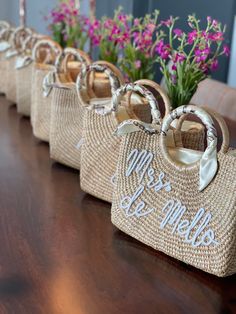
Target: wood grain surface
(60, 254)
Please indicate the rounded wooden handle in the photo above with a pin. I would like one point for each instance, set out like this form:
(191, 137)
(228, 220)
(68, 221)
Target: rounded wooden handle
(221, 122)
(102, 67)
(62, 60)
(161, 92)
(54, 47)
(137, 88)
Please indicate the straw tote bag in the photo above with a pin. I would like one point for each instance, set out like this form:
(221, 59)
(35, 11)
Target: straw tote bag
(24, 71)
(18, 37)
(5, 34)
(41, 98)
(99, 147)
(67, 116)
(179, 201)
(66, 111)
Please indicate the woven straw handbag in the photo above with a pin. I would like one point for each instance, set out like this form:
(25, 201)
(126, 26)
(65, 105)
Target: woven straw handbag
(67, 116)
(40, 98)
(178, 201)
(5, 34)
(66, 111)
(100, 148)
(24, 71)
(18, 37)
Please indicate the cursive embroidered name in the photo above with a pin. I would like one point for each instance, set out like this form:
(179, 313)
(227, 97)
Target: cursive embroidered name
(196, 232)
(128, 204)
(139, 162)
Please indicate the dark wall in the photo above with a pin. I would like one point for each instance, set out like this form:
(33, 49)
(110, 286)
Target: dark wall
(222, 10)
(107, 7)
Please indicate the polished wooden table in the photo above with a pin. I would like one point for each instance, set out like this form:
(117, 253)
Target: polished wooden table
(60, 254)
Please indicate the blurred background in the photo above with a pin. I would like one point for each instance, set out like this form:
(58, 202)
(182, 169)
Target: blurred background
(224, 11)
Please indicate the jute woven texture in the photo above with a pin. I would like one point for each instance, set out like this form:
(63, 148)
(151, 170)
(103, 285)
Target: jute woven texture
(194, 138)
(41, 106)
(219, 198)
(66, 109)
(11, 79)
(66, 126)
(24, 89)
(99, 155)
(3, 73)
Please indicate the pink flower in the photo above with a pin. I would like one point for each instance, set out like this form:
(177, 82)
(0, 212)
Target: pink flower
(218, 36)
(136, 22)
(75, 12)
(96, 40)
(178, 32)
(214, 65)
(115, 30)
(204, 68)
(108, 23)
(137, 64)
(226, 50)
(179, 57)
(215, 24)
(122, 18)
(174, 67)
(168, 22)
(163, 50)
(192, 36)
(151, 27)
(209, 19)
(202, 54)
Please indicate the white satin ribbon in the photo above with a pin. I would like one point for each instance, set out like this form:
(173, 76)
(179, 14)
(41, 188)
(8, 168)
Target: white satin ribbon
(22, 62)
(11, 53)
(48, 82)
(131, 126)
(208, 166)
(4, 45)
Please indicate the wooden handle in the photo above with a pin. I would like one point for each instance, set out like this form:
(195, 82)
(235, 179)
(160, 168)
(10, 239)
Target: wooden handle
(156, 87)
(221, 122)
(54, 47)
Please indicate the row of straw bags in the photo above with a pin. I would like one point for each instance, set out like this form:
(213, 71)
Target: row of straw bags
(166, 189)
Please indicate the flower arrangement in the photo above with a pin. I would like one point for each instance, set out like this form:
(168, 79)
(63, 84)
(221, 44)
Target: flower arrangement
(111, 35)
(138, 54)
(188, 58)
(67, 25)
(135, 45)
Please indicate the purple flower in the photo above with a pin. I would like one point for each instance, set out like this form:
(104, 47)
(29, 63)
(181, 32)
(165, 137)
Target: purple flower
(178, 32)
(214, 65)
(137, 64)
(179, 57)
(209, 19)
(174, 67)
(192, 36)
(136, 22)
(163, 50)
(226, 50)
(202, 54)
(122, 18)
(218, 36)
(215, 24)
(151, 27)
(168, 22)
